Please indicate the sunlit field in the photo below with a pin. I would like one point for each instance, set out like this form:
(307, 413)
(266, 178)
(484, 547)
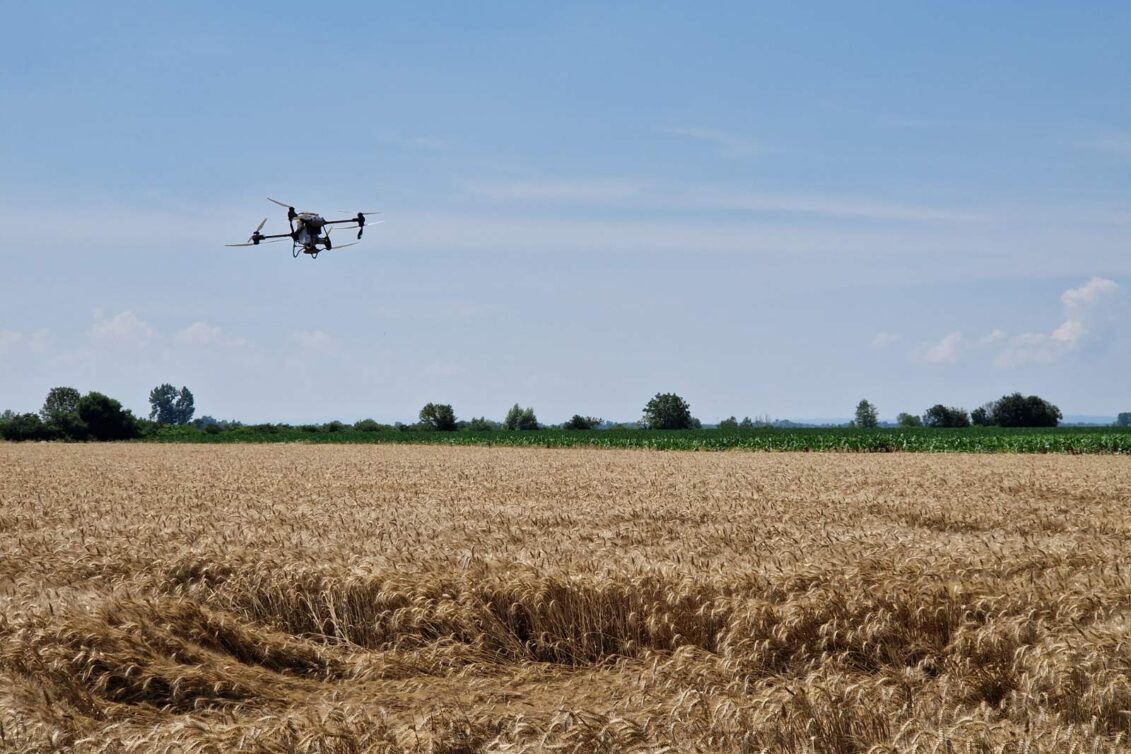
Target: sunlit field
(388, 598)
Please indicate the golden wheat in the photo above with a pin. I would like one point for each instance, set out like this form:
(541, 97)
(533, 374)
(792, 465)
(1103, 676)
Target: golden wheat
(425, 599)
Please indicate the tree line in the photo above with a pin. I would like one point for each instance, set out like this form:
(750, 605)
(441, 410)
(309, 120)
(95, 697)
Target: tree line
(1015, 410)
(69, 415)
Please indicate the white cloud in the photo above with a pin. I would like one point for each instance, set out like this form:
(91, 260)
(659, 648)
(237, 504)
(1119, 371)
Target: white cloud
(1089, 312)
(884, 339)
(315, 340)
(1089, 316)
(728, 145)
(125, 328)
(206, 335)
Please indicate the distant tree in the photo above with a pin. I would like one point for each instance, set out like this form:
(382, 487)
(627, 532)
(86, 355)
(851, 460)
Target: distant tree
(334, 426)
(519, 418)
(1019, 411)
(167, 405)
(481, 424)
(438, 417)
(184, 406)
(909, 420)
(983, 416)
(667, 411)
(746, 423)
(367, 425)
(1123, 420)
(106, 419)
(940, 416)
(60, 413)
(60, 402)
(867, 416)
(579, 422)
(729, 424)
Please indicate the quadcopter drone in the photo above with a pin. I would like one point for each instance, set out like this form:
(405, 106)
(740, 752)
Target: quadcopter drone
(310, 232)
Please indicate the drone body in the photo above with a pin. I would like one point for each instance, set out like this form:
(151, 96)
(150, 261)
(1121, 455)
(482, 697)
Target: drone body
(310, 232)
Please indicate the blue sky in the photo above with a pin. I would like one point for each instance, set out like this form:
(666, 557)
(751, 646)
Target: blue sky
(769, 209)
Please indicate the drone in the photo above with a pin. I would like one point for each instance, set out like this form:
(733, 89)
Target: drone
(310, 232)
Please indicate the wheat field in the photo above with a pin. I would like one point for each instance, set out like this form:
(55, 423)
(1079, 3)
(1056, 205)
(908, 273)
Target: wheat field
(346, 599)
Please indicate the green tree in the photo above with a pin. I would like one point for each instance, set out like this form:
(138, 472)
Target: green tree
(729, 424)
(438, 417)
(667, 411)
(909, 420)
(481, 424)
(367, 425)
(948, 417)
(170, 406)
(519, 418)
(1017, 410)
(867, 416)
(983, 416)
(184, 406)
(60, 402)
(579, 422)
(106, 419)
(60, 413)
(1123, 420)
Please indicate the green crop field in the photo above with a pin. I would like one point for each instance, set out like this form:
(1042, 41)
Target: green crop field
(972, 440)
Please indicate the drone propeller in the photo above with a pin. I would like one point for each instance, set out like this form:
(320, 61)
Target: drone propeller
(344, 245)
(291, 214)
(255, 232)
(252, 243)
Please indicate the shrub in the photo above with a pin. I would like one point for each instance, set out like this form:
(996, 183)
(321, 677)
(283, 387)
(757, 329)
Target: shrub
(106, 419)
(940, 416)
(1018, 411)
(579, 422)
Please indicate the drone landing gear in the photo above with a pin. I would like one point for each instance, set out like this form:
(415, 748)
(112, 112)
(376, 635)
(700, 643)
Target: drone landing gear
(296, 250)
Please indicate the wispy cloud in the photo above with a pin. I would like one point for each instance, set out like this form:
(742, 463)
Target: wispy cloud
(954, 346)
(1114, 143)
(421, 142)
(202, 334)
(884, 339)
(627, 194)
(567, 191)
(37, 342)
(727, 144)
(315, 340)
(818, 205)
